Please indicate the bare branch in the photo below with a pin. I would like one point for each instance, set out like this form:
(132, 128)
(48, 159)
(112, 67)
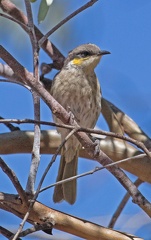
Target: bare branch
(87, 173)
(48, 47)
(21, 225)
(21, 142)
(7, 72)
(10, 126)
(14, 180)
(122, 205)
(29, 14)
(11, 198)
(85, 6)
(14, 20)
(7, 233)
(36, 147)
(86, 130)
(35, 228)
(79, 227)
(36, 144)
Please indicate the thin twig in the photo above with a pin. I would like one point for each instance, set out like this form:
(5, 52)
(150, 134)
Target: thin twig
(16, 82)
(122, 205)
(8, 73)
(10, 126)
(52, 161)
(48, 47)
(29, 13)
(36, 228)
(31, 28)
(89, 172)
(15, 20)
(85, 6)
(21, 225)
(14, 180)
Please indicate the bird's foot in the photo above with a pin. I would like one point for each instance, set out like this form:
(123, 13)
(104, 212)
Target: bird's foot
(96, 142)
(71, 116)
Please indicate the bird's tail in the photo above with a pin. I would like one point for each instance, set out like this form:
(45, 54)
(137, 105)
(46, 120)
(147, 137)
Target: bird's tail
(66, 191)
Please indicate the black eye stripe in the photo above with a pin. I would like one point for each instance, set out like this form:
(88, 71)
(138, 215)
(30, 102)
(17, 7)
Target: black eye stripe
(84, 54)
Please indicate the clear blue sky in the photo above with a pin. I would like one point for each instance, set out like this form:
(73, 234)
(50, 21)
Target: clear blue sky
(123, 28)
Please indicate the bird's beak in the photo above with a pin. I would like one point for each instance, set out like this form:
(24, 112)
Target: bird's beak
(103, 52)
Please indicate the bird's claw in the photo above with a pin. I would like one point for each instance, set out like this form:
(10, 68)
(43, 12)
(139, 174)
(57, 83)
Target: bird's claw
(71, 116)
(96, 142)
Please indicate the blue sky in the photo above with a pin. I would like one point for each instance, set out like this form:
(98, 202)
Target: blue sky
(123, 28)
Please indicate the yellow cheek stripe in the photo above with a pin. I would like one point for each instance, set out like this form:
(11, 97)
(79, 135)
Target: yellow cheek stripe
(78, 61)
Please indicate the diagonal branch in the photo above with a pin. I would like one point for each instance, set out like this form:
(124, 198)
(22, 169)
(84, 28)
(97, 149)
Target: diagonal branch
(10, 126)
(85, 6)
(122, 205)
(5, 232)
(11, 9)
(14, 180)
(79, 227)
(88, 173)
(14, 20)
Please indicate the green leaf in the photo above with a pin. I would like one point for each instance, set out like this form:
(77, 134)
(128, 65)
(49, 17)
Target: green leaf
(43, 9)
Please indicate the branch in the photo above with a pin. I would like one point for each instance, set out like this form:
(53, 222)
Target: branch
(14, 180)
(10, 126)
(48, 47)
(122, 205)
(7, 72)
(81, 129)
(36, 99)
(7, 233)
(14, 20)
(86, 173)
(35, 228)
(85, 6)
(10, 198)
(21, 142)
(79, 227)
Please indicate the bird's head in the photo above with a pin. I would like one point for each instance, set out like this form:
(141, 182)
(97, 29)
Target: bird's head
(86, 56)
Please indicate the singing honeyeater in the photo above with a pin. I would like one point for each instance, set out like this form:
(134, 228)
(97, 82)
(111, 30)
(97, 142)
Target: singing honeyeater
(77, 89)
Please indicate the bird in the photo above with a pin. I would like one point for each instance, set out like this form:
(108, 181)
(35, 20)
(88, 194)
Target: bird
(77, 89)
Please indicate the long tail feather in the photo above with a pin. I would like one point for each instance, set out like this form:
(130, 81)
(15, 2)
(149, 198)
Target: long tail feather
(66, 191)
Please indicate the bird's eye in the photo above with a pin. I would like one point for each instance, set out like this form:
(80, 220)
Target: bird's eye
(84, 54)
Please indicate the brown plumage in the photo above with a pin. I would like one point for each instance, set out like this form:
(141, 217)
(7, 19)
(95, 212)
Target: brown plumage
(77, 89)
